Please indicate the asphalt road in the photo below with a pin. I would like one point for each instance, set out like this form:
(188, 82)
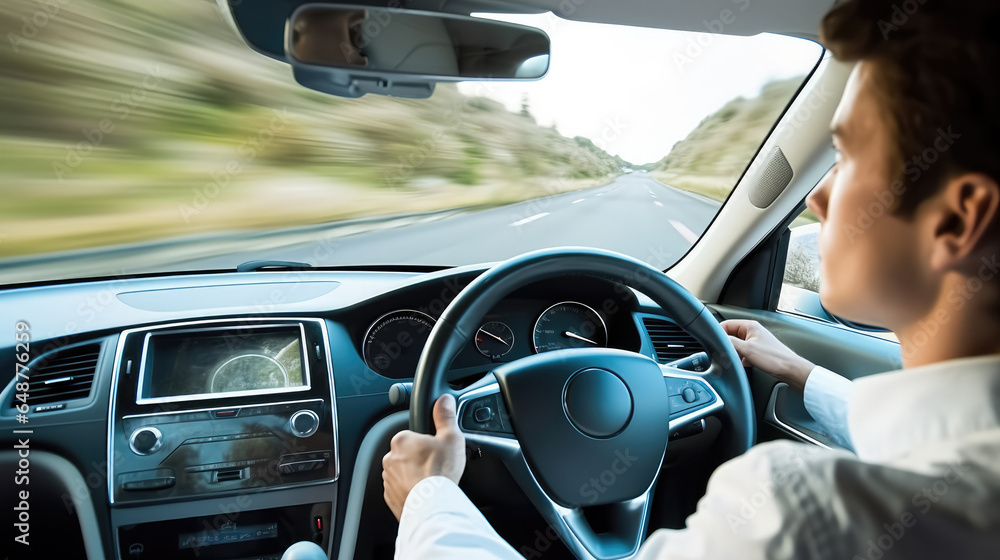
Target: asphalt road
(634, 214)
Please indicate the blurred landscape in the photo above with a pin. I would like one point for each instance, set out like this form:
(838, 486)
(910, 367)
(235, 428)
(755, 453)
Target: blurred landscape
(126, 121)
(710, 160)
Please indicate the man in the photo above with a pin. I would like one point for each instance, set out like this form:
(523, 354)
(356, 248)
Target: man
(329, 37)
(916, 132)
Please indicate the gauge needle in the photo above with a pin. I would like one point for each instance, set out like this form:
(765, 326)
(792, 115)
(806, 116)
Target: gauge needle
(491, 335)
(569, 334)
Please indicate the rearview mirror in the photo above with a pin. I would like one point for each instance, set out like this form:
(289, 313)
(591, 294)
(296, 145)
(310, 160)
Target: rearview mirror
(425, 45)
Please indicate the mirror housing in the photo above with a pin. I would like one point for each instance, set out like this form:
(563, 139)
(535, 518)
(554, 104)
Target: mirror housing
(351, 50)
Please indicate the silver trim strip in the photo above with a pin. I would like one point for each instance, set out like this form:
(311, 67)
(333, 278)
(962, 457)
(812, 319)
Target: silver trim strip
(771, 417)
(188, 411)
(675, 423)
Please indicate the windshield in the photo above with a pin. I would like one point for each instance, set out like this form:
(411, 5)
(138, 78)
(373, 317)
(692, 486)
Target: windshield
(142, 137)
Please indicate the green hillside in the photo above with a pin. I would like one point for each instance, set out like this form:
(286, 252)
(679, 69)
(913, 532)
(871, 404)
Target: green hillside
(712, 157)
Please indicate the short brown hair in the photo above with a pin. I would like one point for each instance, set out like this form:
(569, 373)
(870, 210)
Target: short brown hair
(938, 69)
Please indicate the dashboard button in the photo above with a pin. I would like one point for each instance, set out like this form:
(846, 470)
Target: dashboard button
(486, 414)
(483, 414)
(158, 483)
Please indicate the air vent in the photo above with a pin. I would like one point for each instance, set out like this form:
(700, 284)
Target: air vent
(230, 475)
(63, 375)
(670, 341)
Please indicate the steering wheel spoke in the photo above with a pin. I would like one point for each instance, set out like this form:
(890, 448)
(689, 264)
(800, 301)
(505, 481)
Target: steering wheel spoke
(481, 409)
(692, 396)
(631, 517)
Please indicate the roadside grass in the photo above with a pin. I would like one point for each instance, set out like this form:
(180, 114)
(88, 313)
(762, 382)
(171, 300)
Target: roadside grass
(60, 221)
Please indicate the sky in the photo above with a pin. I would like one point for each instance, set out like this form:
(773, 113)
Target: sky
(637, 91)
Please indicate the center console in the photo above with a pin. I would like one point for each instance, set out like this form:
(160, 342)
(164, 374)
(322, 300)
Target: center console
(225, 416)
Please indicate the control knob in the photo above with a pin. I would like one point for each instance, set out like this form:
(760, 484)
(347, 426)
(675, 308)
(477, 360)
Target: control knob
(145, 441)
(303, 423)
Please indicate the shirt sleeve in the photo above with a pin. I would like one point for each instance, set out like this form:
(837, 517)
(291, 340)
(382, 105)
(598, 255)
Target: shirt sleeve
(827, 396)
(440, 523)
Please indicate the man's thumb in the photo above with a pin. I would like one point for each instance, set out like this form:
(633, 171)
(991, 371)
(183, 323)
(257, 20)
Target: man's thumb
(444, 414)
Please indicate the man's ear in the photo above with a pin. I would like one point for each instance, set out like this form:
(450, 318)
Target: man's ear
(964, 217)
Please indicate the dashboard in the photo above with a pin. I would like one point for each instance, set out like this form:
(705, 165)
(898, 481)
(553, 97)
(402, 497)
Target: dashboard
(225, 415)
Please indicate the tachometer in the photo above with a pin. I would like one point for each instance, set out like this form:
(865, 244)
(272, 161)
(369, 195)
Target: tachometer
(569, 325)
(393, 343)
(494, 339)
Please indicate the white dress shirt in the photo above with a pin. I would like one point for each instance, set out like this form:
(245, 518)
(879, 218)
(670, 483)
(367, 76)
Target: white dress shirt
(826, 397)
(925, 483)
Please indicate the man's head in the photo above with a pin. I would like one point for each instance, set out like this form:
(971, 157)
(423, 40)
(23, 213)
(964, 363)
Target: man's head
(913, 205)
(329, 37)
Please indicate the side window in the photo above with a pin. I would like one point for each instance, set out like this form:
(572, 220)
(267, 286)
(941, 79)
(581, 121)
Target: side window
(800, 285)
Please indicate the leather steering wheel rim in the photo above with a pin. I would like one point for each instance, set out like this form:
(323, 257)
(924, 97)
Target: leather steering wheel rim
(461, 320)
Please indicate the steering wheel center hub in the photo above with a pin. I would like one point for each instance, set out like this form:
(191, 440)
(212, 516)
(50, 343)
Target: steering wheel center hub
(597, 402)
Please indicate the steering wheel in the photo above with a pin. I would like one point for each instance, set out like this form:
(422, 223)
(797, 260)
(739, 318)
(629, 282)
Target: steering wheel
(586, 426)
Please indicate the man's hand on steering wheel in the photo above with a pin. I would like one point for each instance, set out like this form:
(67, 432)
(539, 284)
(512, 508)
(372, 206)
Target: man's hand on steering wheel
(413, 457)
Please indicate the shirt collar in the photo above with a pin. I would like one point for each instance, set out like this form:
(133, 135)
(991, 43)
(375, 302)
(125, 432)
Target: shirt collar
(894, 413)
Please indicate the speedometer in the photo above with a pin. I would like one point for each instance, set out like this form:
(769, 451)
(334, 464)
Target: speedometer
(393, 343)
(569, 324)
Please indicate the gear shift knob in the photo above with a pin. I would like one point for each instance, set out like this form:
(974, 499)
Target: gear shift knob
(304, 550)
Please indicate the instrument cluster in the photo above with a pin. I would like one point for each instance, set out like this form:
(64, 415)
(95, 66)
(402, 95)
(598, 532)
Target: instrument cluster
(393, 342)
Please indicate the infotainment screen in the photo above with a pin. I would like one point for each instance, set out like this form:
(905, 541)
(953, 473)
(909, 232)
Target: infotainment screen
(222, 362)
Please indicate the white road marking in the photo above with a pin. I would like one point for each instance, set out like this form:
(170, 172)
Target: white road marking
(658, 203)
(578, 200)
(529, 219)
(685, 232)
(600, 194)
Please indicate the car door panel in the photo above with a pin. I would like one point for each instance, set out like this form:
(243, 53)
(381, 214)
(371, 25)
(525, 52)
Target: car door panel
(780, 410)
